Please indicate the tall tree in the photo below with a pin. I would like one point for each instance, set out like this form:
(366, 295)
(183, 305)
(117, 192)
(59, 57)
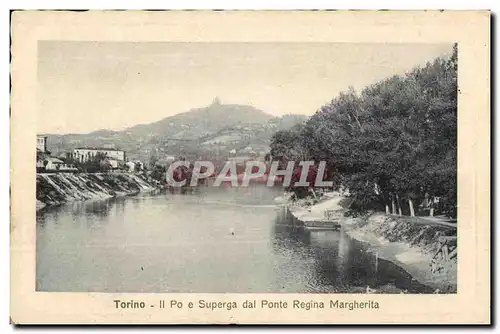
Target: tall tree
(393, 145)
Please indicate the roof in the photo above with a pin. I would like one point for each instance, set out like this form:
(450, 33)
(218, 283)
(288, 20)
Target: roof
(98, 149)
(54, 160)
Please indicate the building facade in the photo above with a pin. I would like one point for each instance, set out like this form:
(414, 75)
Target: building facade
(41, 143)
(84, 154)
(52, 164)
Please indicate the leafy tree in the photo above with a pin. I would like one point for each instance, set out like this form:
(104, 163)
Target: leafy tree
(393, 145)
(158, 172)
(153, 159)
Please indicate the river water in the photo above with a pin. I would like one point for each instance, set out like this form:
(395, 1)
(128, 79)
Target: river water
(212, 240)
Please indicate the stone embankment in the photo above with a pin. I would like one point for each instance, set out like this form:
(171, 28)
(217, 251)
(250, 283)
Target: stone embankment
(59, 188)
(413, 243)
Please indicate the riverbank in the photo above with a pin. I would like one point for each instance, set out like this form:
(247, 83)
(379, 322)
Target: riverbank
(58, 188)
(410, 245)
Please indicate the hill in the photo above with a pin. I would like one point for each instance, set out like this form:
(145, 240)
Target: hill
(200, 121)
(215, 129)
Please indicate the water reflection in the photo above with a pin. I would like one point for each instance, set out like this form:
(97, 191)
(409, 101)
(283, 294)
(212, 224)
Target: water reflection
(209, 240)
(341, 264)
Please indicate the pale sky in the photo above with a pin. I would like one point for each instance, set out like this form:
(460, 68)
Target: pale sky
(87, 86)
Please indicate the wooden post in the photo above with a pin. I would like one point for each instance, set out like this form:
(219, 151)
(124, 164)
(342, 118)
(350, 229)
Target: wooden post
(393, 204)
(314, 193)
(445, 253)
(431, 211)
(412, 211)
(400, 212)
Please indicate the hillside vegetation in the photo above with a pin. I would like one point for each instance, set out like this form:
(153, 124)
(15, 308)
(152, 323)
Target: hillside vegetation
(217, 129)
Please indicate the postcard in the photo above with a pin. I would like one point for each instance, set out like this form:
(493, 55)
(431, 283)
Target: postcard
(250, 167)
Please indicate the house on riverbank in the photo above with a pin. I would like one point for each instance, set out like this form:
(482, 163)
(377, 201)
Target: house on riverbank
(47, 163)
(52, 164)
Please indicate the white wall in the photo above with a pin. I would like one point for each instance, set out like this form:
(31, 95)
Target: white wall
(86, 154)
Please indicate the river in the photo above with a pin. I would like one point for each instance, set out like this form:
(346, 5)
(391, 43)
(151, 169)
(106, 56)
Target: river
(212, 240)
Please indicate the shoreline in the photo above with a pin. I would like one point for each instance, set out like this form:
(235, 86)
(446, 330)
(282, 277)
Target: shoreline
(413, 259)
(40, 205)
(410, 247)
(59, 188)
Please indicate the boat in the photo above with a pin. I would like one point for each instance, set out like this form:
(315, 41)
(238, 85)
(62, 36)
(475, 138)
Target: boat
(319, 225)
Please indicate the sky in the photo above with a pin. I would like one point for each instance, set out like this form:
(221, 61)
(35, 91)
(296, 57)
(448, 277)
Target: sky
(88, 86)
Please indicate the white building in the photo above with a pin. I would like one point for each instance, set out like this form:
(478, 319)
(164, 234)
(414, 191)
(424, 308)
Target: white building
(41, 143)
(130, 166)
(134, 166)
(54, 164)
(114, 163)
(83, 154)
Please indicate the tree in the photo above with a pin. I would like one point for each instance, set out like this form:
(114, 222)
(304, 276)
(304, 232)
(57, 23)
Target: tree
(153, 159)
(391, 145)
(158, 172)
(289, 145)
